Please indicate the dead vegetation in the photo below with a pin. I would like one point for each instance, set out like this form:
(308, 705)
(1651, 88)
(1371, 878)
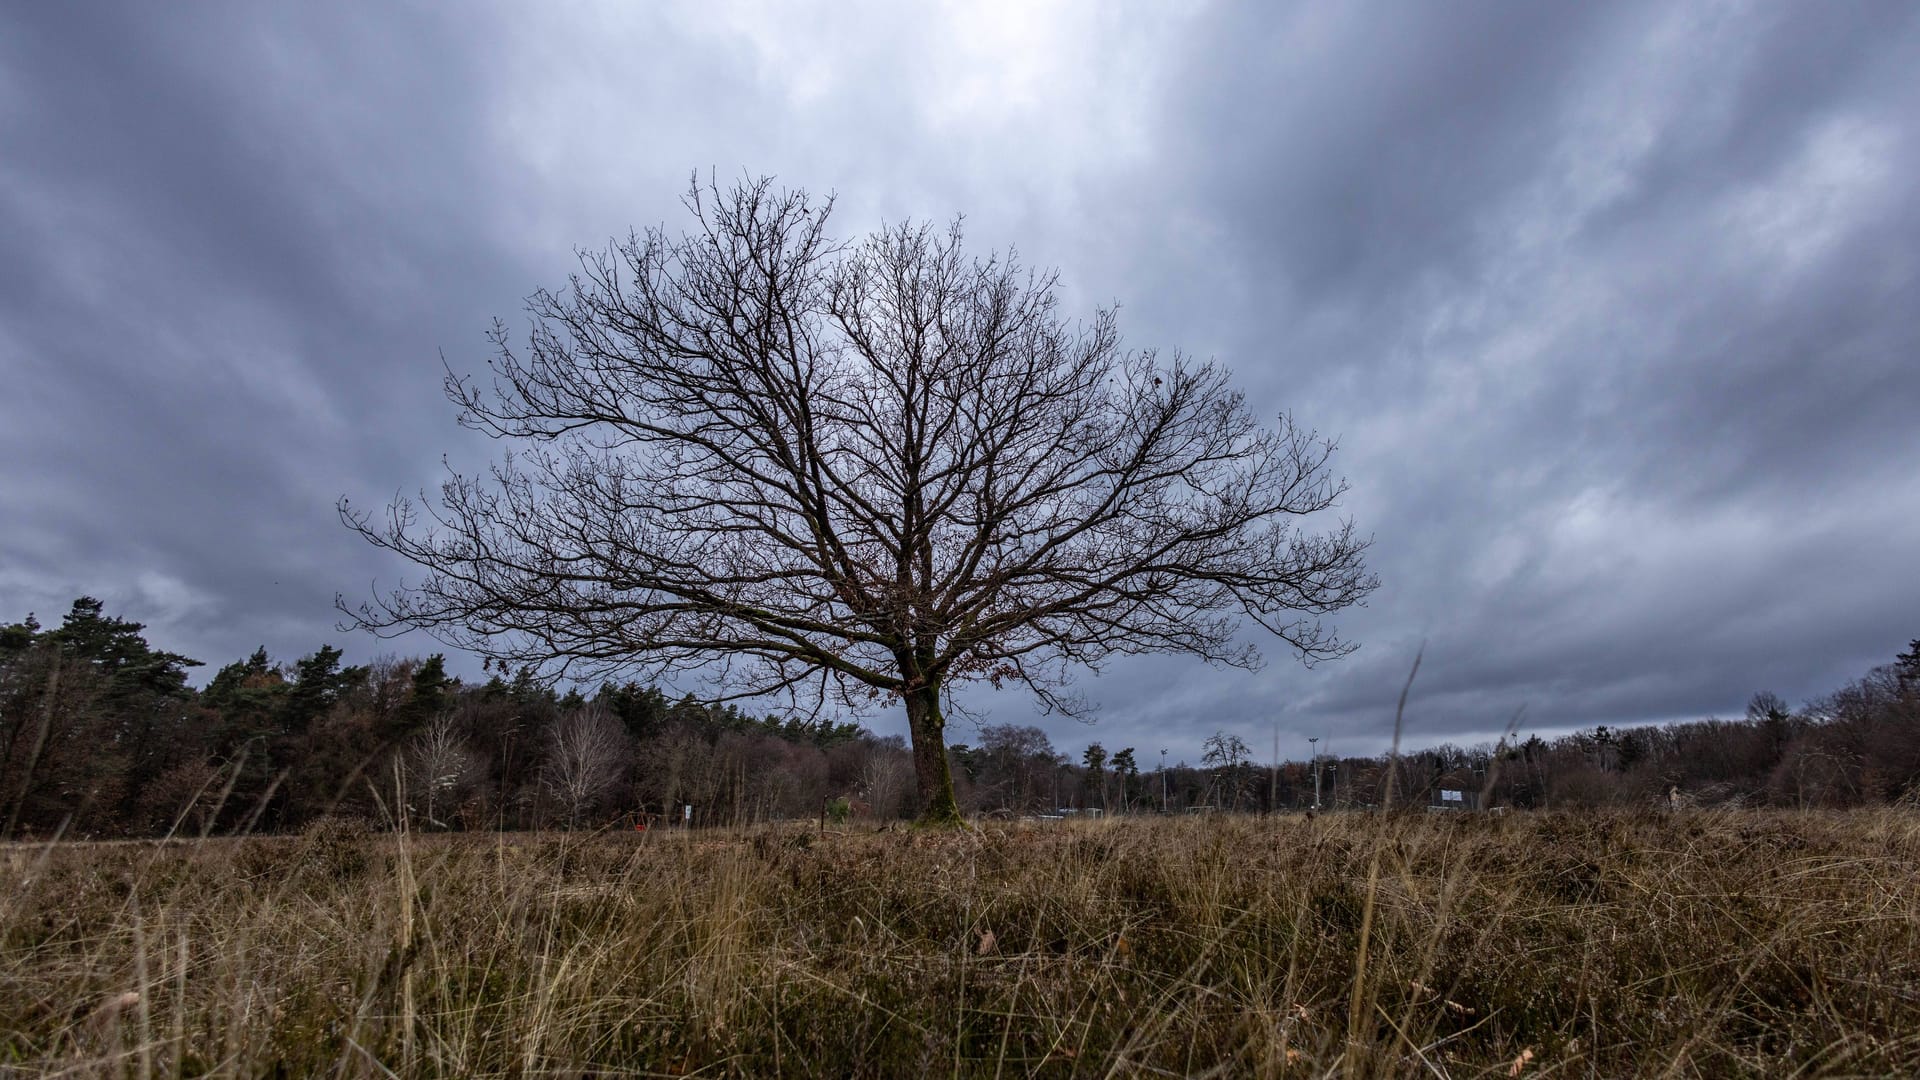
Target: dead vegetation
(1553, 944)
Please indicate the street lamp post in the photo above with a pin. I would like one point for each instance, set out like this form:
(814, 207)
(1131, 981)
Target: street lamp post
(1163, 781)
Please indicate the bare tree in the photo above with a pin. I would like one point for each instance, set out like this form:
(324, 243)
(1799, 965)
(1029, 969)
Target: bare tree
(439, 766)
(1018, 760)
(1227, 755)
(863, 472)
(883, 780)
(586, 754)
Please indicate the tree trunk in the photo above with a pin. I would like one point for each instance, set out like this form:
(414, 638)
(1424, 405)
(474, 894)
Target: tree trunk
(930, 757)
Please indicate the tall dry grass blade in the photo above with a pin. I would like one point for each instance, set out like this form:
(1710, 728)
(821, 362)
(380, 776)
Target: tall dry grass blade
(233, 777)
(1359, 1004)
(260, 806)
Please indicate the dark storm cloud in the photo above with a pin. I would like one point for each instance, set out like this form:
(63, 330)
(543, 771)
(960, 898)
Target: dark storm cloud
(1612, 306)
(221, 242)
(1618, 315)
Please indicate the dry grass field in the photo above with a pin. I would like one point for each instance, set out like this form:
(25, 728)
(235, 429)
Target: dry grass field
(1697, 944)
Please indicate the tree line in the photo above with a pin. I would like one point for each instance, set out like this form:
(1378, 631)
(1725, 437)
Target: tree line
(1856, 746)
(102, 735)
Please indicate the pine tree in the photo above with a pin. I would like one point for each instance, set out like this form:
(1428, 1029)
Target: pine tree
(432, 691)
(1907, 665)
(1095, 759)
(318, 682)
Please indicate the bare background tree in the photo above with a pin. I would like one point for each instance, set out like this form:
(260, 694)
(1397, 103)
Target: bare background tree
(586, 754)
(441, 769)
(1227, 755)
(855, 474)
(883, 782)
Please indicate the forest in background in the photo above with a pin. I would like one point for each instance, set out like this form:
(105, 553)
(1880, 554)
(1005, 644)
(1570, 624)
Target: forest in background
(101, 735)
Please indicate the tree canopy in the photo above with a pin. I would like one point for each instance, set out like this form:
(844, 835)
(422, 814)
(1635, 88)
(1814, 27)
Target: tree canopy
(855, 473)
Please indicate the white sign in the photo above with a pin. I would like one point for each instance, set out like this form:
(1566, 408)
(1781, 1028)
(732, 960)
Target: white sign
(1453, 796)
(686, 812)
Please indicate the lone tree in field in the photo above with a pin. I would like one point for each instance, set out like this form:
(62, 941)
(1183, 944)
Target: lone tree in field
(858, 472)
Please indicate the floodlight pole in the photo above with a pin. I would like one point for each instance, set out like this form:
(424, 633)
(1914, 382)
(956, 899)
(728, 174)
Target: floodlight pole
(1163, 781)
(1273, 785)
(1313, 741)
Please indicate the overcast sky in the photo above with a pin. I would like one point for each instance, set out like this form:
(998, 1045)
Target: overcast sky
(1615, 308)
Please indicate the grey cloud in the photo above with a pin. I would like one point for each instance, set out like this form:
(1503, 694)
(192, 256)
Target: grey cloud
(1614, 313)
(224, 275)
(1613, 306)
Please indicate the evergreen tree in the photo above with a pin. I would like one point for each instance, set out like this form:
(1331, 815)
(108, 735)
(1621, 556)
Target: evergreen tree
(1094, 757)
(89, 713)
(318, 682)
(20, 636)
(1126, 770)
(431, 691)
(115, 648)
(1906, 666)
